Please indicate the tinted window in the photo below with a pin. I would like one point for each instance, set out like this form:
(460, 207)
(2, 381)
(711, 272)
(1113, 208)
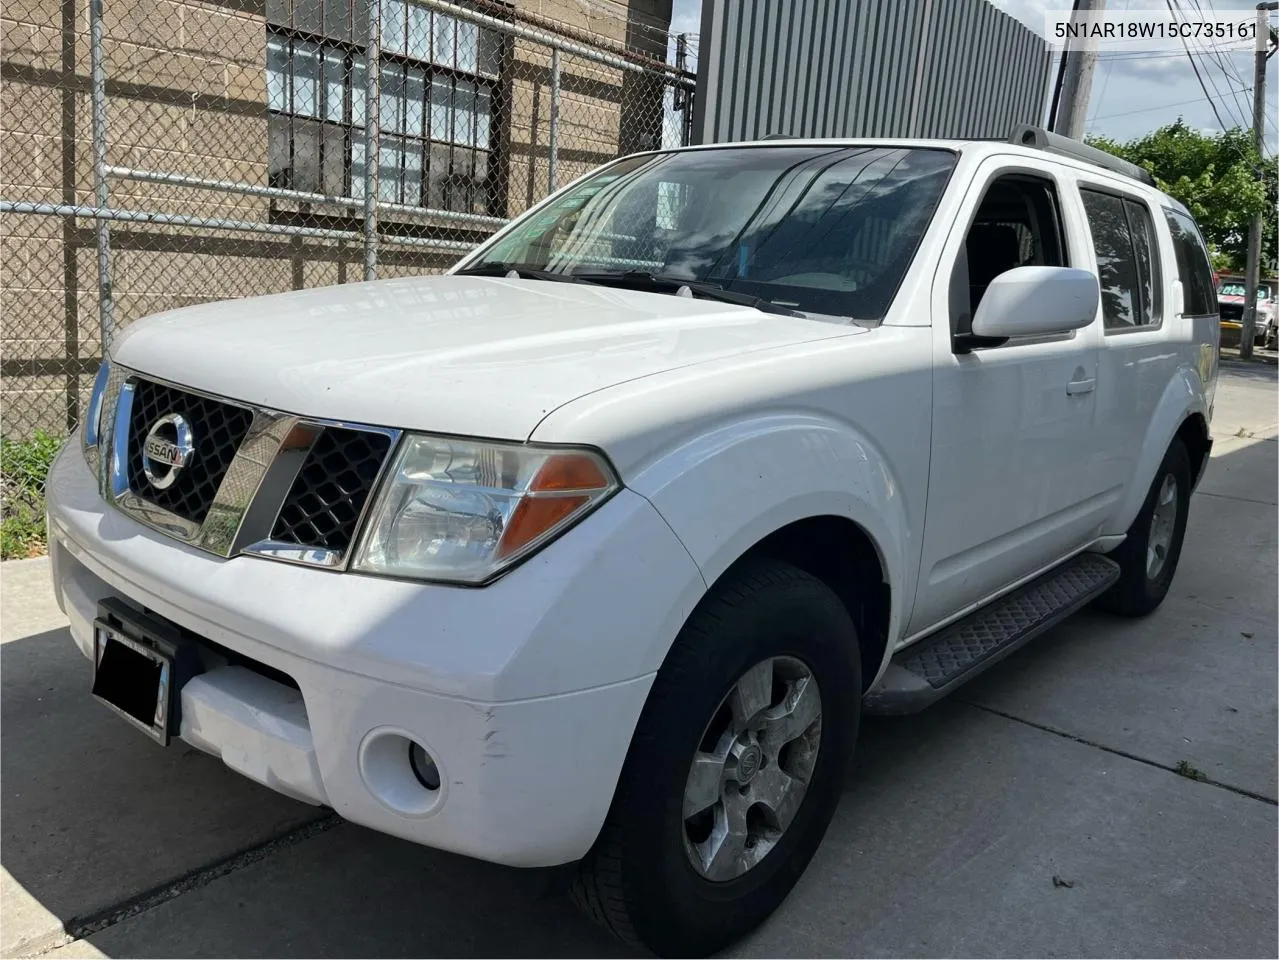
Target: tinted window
(1193, 268)
(1145, 248)
(1116, 259)
(824, 230)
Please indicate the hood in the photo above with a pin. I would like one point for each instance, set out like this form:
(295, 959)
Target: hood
(468, 355)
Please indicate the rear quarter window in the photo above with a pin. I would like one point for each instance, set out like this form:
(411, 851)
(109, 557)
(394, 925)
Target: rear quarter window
(1193, 266)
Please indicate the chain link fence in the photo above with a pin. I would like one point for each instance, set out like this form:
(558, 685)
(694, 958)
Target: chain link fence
(159, 153)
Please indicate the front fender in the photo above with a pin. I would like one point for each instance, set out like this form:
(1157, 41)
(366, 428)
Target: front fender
(728, 489)
(1184, 396)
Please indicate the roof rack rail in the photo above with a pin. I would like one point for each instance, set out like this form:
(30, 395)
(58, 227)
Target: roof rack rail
(779, 136)
(1032, 136)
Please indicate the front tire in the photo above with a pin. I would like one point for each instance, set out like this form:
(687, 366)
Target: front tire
(1149, 554)
(735, 769)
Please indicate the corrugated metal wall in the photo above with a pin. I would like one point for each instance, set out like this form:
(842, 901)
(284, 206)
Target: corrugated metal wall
(865, 68)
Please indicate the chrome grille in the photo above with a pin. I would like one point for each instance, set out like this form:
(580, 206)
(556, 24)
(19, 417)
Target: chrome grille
(327, 498)
(257, 481)
(219, 429)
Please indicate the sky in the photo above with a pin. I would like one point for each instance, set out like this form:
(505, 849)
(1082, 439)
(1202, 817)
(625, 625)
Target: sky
(1133, 94)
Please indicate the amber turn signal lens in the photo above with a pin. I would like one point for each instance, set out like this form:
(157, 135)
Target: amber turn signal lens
(569, 471)
(533, 517)
(562, 485)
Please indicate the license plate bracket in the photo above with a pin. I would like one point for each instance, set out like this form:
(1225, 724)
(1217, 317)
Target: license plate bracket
(140, 664)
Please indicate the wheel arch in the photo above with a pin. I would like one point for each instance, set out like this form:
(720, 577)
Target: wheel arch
(843, 555)
(1182, 413)
(1197, 439)
(808, 489)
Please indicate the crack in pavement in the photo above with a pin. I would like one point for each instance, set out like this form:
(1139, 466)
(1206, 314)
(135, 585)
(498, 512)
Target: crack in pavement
(1241, 791)
(80, 927)
(1226, 496)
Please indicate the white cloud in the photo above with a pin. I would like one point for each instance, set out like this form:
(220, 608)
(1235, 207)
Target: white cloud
(1133, 95)
(686, 16)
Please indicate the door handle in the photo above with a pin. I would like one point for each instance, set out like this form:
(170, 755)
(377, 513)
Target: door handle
(1077, 387)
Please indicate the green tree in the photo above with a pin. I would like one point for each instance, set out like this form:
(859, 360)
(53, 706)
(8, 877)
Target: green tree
(1221, 180)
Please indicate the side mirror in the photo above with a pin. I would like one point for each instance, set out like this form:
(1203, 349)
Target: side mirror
(1036, 301)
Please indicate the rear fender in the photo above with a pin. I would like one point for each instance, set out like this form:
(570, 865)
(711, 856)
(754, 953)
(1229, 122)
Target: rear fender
(1184, 396)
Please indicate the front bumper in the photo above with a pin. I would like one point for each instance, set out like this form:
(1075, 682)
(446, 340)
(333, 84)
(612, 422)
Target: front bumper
(525, 692)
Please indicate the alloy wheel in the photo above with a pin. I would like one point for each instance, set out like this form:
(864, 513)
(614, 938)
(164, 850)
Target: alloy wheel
(1163, 523)
(752, 768)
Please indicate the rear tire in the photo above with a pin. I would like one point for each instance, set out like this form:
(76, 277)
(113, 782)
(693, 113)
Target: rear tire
(648, 879)
(1149, 554)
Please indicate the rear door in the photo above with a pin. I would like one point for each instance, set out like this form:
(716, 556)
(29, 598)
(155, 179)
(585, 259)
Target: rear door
(1145, 339)
(1193, 296)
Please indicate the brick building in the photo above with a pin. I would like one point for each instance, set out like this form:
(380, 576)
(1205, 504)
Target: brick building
(254, 94)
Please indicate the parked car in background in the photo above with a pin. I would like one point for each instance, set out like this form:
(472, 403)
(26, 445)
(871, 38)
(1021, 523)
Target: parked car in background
(1231, 298)
(593, 552)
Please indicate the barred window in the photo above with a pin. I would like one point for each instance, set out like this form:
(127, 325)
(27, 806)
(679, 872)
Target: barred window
(438, 78)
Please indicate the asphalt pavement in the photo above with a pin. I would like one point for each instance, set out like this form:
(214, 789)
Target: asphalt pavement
(1110, 790)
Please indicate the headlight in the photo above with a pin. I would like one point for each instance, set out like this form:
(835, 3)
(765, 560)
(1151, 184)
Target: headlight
(92, 431)
(463, 510)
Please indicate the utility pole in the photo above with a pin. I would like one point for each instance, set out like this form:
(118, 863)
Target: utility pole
(1061, 75)
(1248, 328)
(681, 99)
(1076, 77)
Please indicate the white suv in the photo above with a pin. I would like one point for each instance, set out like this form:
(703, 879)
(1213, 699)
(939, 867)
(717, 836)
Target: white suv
(593, 551)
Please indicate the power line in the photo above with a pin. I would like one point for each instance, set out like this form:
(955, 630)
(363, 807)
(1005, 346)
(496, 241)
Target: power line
(1220, 61)
(1227, 61)
(1235, 120)
(1202, 86)
(1158, 106)
(1108, 66)
(1143, 55)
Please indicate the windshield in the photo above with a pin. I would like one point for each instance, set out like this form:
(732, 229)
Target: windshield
(820, 230)
(1238, 290)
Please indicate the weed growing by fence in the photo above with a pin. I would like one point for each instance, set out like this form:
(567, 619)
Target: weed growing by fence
(24, 465)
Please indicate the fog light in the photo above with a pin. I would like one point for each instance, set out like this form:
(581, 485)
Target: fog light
(424, 768)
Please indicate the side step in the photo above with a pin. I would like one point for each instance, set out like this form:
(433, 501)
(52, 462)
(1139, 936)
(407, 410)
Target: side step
(928, 670)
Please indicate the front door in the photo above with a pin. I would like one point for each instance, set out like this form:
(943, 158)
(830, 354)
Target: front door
(1011, 484)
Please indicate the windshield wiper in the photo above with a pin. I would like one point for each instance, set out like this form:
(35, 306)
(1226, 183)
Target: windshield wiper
(522, 272)
(698, 288)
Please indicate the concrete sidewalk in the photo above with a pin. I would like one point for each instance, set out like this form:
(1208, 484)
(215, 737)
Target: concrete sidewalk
(1040, 813)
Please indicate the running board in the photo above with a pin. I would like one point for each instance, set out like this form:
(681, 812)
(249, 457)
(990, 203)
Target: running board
(927, 670)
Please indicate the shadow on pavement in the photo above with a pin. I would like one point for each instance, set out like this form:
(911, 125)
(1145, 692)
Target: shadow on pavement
(946, 842)
(94, 812)
(1260, 367)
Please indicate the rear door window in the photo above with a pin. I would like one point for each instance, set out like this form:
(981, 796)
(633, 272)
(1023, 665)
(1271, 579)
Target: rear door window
(1118, 266)
(1193, 266)
(1145, 249)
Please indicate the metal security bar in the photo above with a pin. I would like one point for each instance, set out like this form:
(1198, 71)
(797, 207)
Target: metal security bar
(166, 152)
(105, 215)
